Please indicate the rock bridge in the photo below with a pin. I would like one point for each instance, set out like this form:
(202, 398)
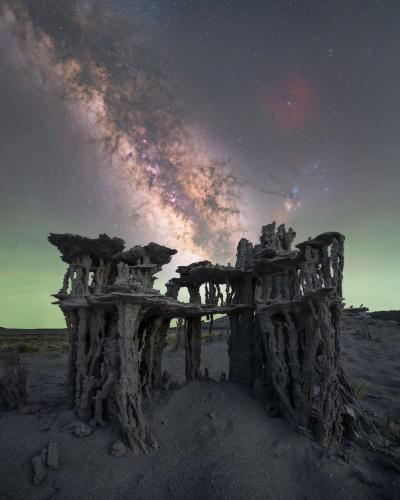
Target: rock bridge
(284, 309)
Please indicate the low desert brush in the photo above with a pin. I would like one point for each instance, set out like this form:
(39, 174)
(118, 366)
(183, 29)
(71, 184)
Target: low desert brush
(393, 430)
(360, 390)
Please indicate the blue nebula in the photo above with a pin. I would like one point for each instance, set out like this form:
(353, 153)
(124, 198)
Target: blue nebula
(315, 166)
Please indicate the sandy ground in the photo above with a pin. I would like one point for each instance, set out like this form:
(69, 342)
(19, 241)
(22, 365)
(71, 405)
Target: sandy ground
(373, 363)
(216, 440)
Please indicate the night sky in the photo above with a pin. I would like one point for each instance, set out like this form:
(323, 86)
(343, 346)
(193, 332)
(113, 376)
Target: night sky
(193, 123)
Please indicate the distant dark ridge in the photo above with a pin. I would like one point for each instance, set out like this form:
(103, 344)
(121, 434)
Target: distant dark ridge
(222, 322)
(386, 315)
(218, 324)
(32, 331)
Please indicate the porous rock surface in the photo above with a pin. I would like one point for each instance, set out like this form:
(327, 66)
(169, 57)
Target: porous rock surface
(284, 308)
(13, 392)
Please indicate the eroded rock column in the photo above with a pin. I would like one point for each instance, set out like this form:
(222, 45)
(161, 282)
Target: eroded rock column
(300, 341)
(193, 348)
(151, 353)
(13, 376)
(128, 389)
(240, 344)
(104, 377)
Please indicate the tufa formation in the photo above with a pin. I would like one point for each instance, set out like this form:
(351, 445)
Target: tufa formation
(284, 308)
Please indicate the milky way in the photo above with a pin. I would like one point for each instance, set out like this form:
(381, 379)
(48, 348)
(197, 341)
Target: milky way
(192, 123)
(100, 65)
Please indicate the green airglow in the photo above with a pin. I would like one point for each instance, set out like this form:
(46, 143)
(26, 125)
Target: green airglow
(31, 270)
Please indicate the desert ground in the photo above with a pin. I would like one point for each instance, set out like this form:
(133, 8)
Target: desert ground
(216, 439)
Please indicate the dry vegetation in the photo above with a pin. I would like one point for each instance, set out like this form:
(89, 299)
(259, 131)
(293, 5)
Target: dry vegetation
(360, 390)
(171, 335)
(393, 430)
(35, 344)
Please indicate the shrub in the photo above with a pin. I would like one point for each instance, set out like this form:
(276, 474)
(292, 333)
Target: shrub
(360, 390)
(393, 430)
(27, 348)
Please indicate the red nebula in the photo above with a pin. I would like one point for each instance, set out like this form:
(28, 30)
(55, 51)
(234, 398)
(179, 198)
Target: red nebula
(292, 102)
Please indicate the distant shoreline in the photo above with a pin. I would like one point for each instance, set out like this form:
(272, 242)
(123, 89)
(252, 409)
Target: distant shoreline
(25, 332)
(219, 323)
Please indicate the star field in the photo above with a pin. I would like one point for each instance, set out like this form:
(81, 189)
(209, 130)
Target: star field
(192, 124)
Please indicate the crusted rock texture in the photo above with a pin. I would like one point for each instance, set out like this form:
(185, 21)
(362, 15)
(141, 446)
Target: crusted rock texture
(13, 376)
(284, 309)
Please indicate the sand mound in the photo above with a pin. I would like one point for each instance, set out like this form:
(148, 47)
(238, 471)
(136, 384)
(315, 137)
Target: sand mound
(215, 442)
(215, 439)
